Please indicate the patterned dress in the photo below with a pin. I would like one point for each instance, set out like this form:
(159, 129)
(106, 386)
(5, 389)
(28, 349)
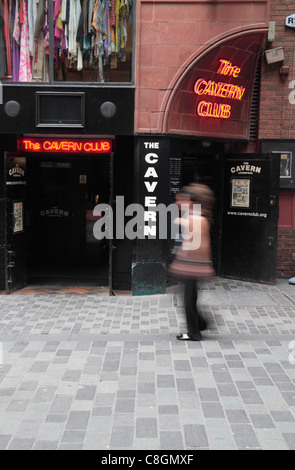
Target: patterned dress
(25, 67)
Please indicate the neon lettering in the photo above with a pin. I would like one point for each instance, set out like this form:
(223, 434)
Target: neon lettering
(214, 110)
(226, 68)
(220, 89)
(65, 145)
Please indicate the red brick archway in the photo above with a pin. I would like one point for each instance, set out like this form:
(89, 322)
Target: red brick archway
(213, 95)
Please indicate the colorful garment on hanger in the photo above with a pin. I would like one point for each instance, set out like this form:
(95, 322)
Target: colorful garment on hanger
(25, 66)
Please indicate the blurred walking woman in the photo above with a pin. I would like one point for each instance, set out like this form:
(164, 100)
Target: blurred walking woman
(193, 260)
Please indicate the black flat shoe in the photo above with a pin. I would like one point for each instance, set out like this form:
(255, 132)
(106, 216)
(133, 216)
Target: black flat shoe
(187, 338)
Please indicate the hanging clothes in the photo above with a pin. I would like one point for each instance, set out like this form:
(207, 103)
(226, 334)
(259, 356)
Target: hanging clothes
(7, 37)
(15, 42)
(25, 68)
(3, 67)
(40, 18)
(32, 14)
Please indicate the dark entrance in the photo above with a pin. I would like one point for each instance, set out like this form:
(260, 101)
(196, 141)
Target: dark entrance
(250, 217)
(246, 188)
(61, 194)
(205, 169)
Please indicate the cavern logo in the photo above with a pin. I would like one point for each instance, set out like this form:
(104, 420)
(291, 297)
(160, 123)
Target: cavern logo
(245, 169)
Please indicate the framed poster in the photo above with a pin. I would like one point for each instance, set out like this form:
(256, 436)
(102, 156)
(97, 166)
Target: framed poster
(240, 192)
(18, 217)
(285, 164)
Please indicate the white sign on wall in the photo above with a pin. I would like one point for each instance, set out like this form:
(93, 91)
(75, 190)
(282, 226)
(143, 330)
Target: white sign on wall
(290, 21)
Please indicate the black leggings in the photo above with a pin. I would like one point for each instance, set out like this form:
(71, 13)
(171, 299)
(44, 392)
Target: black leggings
(195, 322)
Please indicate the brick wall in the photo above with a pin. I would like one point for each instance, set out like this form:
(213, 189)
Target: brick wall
(286, 253)
(286, 236)
(171, 35)
(276, 112)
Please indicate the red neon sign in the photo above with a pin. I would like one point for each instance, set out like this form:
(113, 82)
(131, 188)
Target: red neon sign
(55, 145)
(219, 90)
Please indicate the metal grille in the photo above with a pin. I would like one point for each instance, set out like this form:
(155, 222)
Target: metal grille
(254, 112)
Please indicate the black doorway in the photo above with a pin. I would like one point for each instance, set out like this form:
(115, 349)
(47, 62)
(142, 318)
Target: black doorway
(61, 194)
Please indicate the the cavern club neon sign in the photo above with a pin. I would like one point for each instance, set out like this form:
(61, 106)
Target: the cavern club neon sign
(220, 89)
(57, 145)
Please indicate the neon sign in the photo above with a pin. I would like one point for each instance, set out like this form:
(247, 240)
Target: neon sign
(219, 90)
(75, 146)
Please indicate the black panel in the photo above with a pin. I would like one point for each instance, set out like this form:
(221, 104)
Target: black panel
(121, 123)
(60, 109)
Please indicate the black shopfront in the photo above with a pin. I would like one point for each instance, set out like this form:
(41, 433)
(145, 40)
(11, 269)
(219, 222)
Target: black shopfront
(68, 81)
(246, 188)
(48, 192)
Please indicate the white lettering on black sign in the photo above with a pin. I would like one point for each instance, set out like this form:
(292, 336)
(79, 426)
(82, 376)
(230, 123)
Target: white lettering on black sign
(151, 181)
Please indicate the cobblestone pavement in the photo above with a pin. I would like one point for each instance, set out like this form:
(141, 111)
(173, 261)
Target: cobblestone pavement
(98, 372)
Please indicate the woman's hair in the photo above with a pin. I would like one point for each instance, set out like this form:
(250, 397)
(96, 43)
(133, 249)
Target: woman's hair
(203, 195)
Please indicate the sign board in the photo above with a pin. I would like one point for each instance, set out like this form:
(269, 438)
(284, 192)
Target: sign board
(67, 145)
(290, 21)
(214, 97)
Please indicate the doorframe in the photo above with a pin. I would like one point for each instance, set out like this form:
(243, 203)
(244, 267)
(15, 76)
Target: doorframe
(7, 261)
(273, 195)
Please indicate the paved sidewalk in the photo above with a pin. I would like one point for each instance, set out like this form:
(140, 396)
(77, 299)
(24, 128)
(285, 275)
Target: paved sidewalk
(98, 372)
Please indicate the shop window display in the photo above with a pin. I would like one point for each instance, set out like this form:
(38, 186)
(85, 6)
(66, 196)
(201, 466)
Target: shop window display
(84, 40)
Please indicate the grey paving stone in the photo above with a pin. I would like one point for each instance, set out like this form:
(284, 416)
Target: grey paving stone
(182, 365)
(185, 384)
(227, 390)
(18, 405)
(195, 436)
(73, 436)
(146, 427)
(262, 421)
(78, 420)
(146, 388)
(71, 375)
(4, 439)
(122, 436)
(245, 437)
(39, 366)
(56, 418)
(61, 404)
(212, 410)
(102, 411)
(237, 416)
(125, 405)
(290, 440)
(46, 445)
(165, 381)
(44, 394)
(171, 440)
(208, 394)
(250, 397)
(86, 392)
(21, 444)
(282, 416)
(168, 409)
